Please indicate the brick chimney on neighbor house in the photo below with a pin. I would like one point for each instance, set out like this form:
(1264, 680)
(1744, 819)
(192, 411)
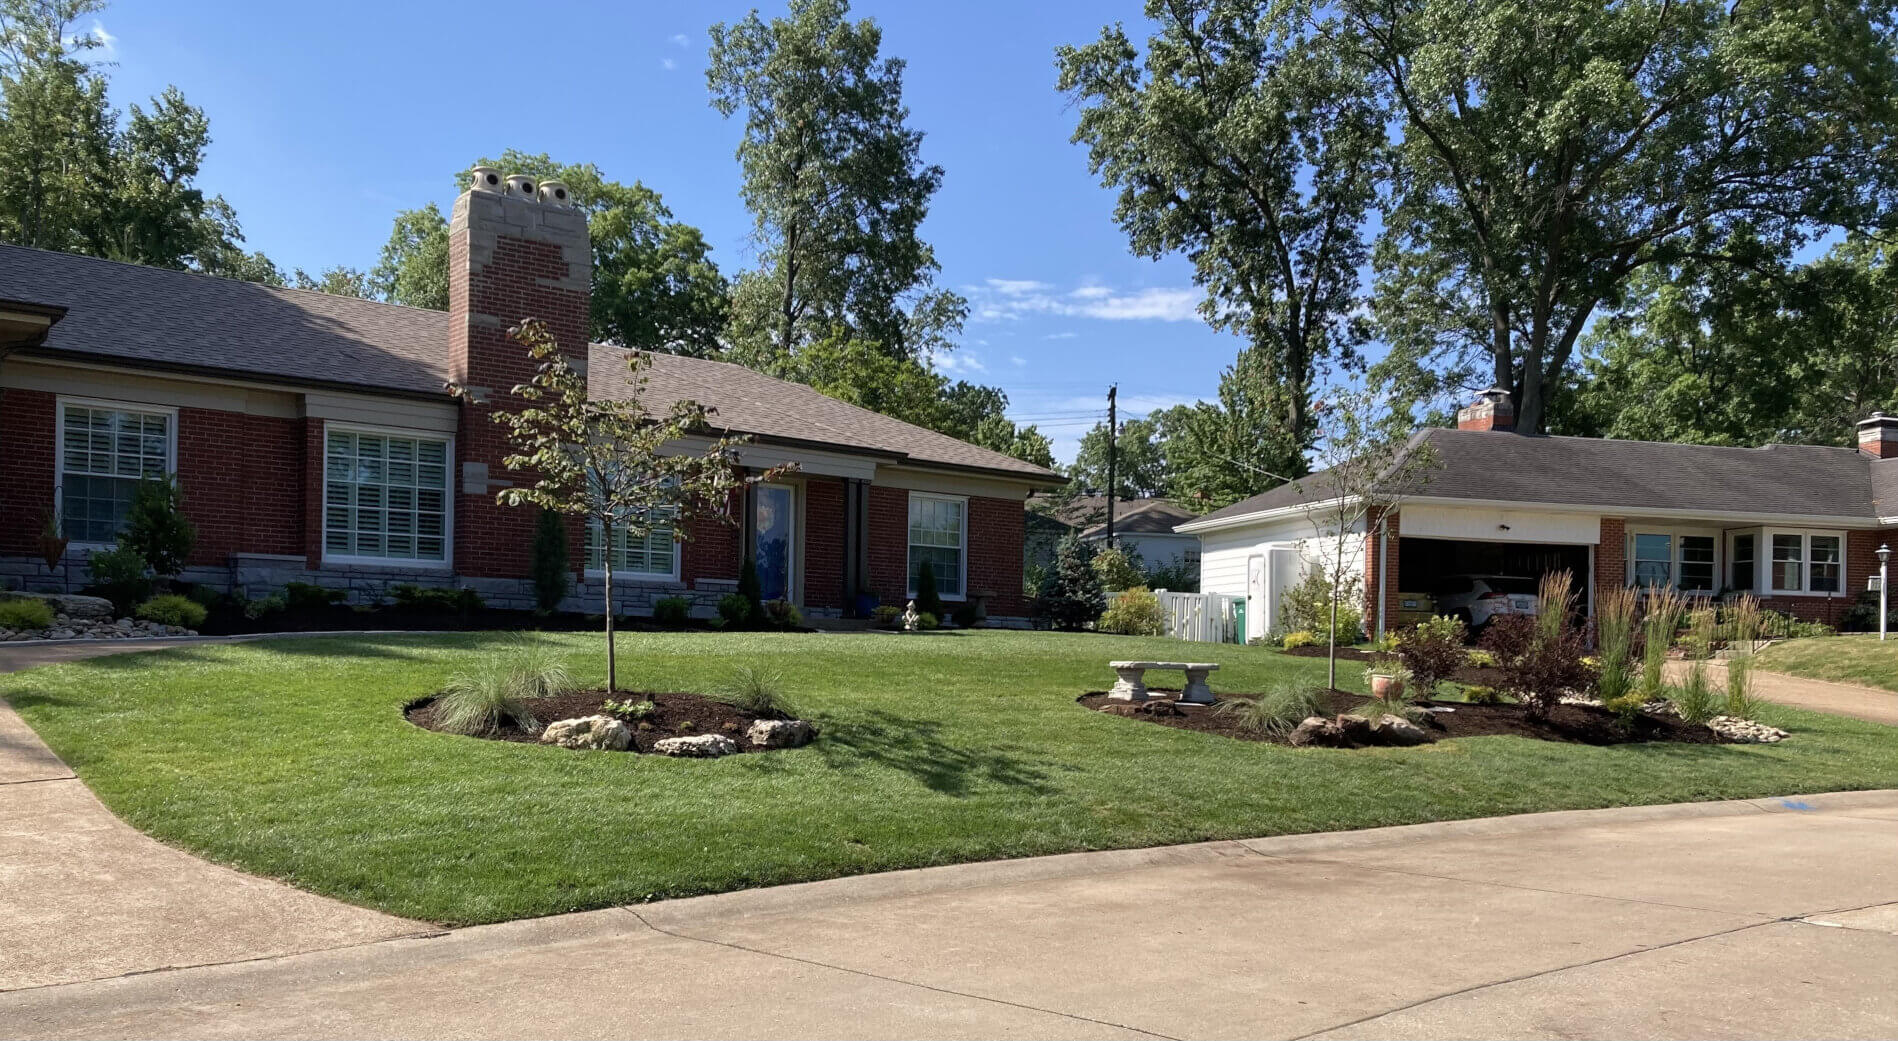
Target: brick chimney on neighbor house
(517, 249)
(1878, 436)
(1492, 410)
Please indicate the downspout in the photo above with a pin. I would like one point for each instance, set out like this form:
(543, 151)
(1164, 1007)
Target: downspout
(1383, 565)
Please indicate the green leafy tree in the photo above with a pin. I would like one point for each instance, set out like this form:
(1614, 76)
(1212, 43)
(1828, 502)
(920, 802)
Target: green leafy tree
(1552, 149)
(1140, 469)
(156, 528)
(1027, 443)
(1220, 452)
(604, 460)
(1070, 596)
(78, 177)
(336, 281)
(835, 184)
(1238, 138)
(413, 269)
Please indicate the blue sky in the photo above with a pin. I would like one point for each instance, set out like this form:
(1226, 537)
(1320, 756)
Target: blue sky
(328, 118)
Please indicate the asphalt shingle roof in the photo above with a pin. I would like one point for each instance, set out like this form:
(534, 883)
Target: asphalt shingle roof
(1598, 472)
(180, 320)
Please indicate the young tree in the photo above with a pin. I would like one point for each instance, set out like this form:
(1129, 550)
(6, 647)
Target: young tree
(614, 462)
(1070, 595)
(1366, 471)
(1238, 139)
(1552, 149)
(835, 183)
(1220, 452)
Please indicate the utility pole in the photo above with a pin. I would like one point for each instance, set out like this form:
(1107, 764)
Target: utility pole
(1113, 433)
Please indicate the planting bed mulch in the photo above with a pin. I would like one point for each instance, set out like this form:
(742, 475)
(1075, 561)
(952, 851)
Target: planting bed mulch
(1571, 724)
(706, 716)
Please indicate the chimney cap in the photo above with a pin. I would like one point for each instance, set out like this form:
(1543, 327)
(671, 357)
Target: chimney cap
(520, 186)
(485, 179)
(555, 193)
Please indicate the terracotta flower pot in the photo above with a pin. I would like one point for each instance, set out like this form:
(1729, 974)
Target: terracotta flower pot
(1384, 687)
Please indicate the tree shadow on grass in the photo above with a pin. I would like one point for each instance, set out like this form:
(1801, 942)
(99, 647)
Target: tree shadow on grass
(918, 748)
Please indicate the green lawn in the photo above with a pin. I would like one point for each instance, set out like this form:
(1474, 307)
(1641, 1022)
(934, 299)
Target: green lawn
(1843, 659)
(291, 759)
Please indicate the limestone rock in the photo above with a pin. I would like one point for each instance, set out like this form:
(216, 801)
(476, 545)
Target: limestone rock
(698, 746)
(1746, 731)
(780, 733)
(1317, 732)
(588, 732)
(1396, 730)
(72, 605)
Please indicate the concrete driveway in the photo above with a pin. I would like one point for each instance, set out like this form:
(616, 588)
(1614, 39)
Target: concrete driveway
(1773, 918)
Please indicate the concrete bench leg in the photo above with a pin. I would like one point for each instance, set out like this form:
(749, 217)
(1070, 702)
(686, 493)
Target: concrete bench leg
(1197, 692)
(1132, 685)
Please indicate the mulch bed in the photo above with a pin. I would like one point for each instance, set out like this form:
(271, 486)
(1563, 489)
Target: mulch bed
(1572, 724)
(705, 716)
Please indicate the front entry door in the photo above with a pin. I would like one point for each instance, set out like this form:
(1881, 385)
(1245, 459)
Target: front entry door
(773, 531)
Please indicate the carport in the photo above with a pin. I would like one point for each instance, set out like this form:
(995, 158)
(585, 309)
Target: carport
(1440, 544)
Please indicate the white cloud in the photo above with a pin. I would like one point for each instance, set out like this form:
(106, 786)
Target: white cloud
(1061, 336)
(963, 362)
(681, 41)
(104, 42)
(1017, 360)
(1007, 299)
(668, 64)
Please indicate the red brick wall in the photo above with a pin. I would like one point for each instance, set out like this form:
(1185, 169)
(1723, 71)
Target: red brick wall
(243, 480)
(1389, 570)
(713, 549)
(824, 543)
(1611, 556)
(997, 529)
(27, 423)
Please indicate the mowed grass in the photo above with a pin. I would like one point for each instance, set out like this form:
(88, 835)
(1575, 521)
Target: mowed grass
(291, 759)
(1842, 659)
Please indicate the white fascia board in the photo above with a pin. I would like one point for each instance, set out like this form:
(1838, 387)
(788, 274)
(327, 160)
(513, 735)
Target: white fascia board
(1733, 517)
(1259, 517)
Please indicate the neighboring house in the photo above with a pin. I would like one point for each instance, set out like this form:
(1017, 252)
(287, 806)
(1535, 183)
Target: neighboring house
(1142, 526)
(1797, 526)
(317, 439)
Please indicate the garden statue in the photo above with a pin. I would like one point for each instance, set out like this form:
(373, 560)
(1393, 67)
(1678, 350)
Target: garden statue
(911, 620)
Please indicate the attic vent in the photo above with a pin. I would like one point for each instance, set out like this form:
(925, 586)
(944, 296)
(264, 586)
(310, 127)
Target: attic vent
(486, 179)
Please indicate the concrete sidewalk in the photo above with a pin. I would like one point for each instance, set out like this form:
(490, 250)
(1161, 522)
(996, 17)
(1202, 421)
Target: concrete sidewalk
(1772, 918)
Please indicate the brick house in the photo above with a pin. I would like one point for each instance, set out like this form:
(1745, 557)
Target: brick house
(350, 444)
(1798, 526)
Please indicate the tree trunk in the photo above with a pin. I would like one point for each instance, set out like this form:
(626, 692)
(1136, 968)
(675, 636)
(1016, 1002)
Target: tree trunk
(606, 561)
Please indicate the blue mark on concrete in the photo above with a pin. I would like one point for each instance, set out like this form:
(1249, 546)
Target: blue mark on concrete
(1796, 804)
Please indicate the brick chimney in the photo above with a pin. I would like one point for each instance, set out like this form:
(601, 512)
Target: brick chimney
(516, 250)
(1878, 436)
(1492, 410)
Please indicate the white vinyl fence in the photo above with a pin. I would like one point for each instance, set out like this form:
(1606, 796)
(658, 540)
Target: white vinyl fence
(1200, 617)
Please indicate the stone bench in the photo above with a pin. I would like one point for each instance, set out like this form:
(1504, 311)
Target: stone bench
(1132, 684)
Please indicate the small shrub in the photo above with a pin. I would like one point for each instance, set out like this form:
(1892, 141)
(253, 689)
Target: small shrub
(1432, 651)
(172, 609)
(1537, 669)
(1480, 695)
(302, 596)
(1478, 658)
(644, 724)
(434, 601)
(550, 566)
(1615, 680)
(156, 527)
(1299, 638)
(1135, 612)
(685, 726)
(1308, 605)
(629, 709)
(671, 610)
(751, 589)
(26, 614)
(263, 607)
(734, 609)
(965, 615)
(121, 576)
(482, 700)
(1278, 711)
(1741, 704)
(783, 613)
(1177, 575)
(1119, 569)
(757, 692)
(887, 616)
(925, 620)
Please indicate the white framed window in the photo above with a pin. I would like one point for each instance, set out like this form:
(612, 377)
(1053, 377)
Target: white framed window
(105, 449)
(1696, 564)
(653, 556)
(938, 533)
(1806, 563)
(1653, 560)
(386, 497)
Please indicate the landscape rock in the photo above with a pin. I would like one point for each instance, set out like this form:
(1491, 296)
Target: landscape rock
(780, 733)
(71, 606)
(1746, 731)
(1396, 730)
(698, 746)
(1355, 728)
(1317, 732)
(603, 732)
